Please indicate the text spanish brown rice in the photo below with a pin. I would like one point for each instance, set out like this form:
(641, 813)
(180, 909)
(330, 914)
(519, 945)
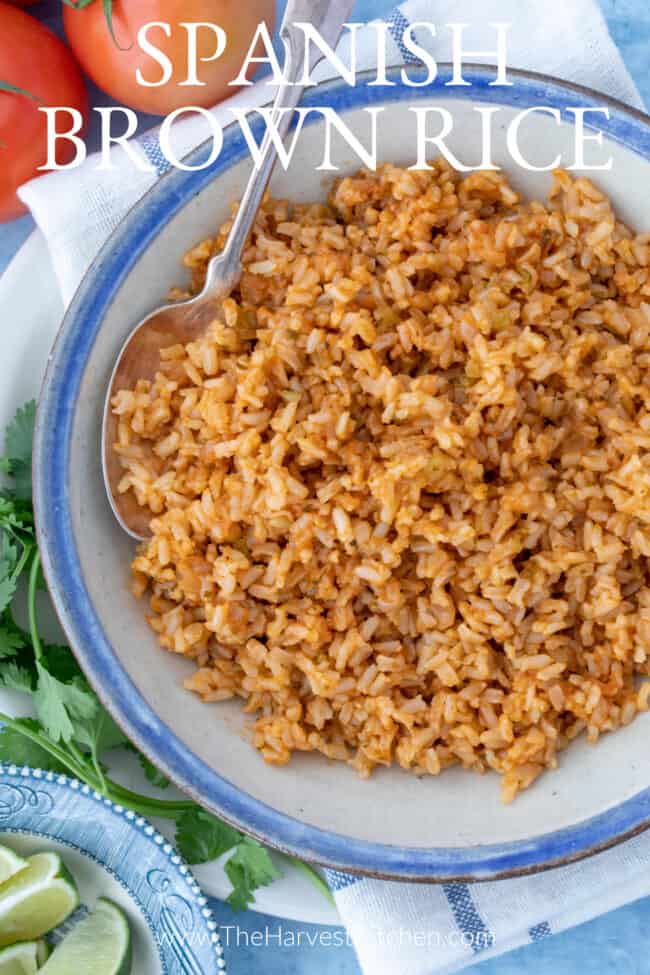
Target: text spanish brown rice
(401, 491)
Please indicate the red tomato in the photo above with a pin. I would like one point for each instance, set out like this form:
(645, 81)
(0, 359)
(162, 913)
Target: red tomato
(32, 58)
(113, 68)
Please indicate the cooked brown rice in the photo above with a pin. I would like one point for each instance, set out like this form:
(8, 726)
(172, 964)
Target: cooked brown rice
(401, 491)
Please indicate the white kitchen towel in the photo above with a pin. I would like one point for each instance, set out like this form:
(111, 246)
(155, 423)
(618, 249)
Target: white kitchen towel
(78, 208)
(416, 929)
(400, 929)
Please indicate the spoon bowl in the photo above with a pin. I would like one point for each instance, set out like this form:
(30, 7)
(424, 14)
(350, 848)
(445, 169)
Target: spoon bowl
(140, 359)
(185, 321)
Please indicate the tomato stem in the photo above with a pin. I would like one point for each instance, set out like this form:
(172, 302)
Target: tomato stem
(15, 90)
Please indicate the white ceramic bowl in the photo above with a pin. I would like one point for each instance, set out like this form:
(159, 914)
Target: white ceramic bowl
(452, 826)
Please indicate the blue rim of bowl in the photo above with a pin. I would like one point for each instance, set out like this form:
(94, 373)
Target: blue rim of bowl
(626, 126)
(27, 819)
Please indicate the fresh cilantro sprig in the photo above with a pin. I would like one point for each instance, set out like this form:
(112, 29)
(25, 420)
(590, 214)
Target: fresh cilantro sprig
(72, 732)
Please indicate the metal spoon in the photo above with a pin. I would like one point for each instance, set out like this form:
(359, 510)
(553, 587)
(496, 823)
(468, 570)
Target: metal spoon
(186, 321)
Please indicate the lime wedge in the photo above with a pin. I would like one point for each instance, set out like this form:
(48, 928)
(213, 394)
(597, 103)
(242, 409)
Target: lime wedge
(35, 900)
(21, 959)
(100, 944)
(48, 865)
(42, 952)
(25, 958)
(10, 863)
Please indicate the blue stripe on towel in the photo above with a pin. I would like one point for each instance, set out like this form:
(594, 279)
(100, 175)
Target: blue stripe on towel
(467, 917)
(541, 930)
(151, 148)
(397, 24)
(339, 881)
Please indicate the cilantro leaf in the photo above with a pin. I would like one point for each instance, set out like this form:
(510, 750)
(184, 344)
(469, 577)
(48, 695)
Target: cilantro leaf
(17, 749)
(16, 678)
(20, 433)
(61, 663)
(21, 471)
(240, 897)
(16, 513)
(154, 775)
(17, 459)
(59, 705)
(96, 730)
(8, 553)
(11, 508)
(99, 733)
(201, 837)
(248, 868)
(12, 637)
(7, 591)
(8, 561)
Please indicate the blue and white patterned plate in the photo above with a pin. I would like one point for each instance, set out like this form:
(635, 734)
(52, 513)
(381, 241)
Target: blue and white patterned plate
(113, 852)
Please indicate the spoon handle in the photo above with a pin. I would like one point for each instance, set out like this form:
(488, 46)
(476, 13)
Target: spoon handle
(328, 17)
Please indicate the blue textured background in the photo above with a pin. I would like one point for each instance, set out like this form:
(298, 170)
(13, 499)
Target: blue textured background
(616, 943)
